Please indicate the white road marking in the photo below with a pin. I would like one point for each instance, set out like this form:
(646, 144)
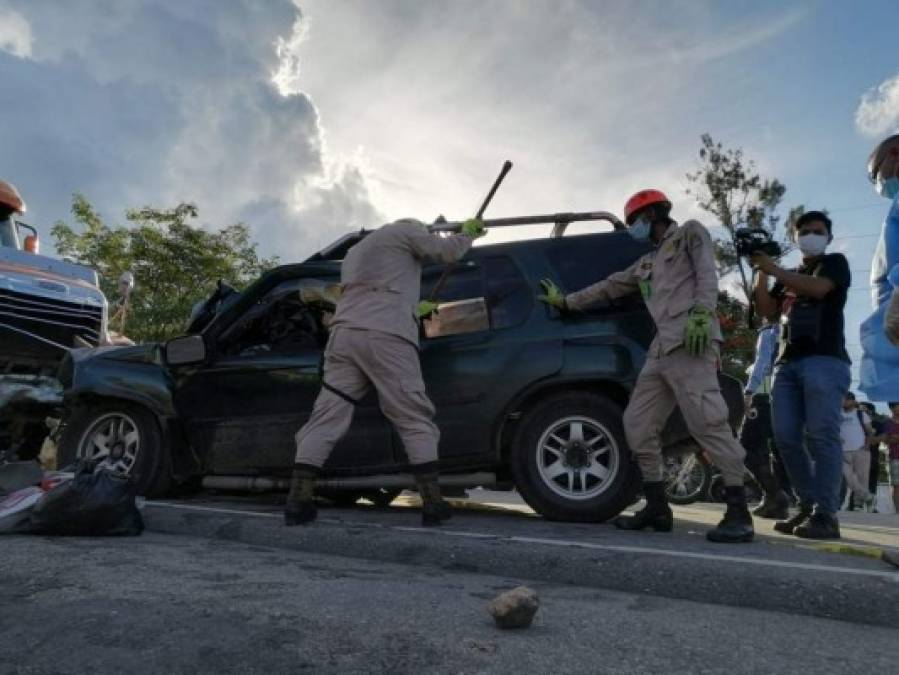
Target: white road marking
(764, 562)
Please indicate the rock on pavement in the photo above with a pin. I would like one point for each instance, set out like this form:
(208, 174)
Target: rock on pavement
(515, 608)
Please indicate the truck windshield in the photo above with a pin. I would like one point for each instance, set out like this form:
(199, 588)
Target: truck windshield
(8, 233)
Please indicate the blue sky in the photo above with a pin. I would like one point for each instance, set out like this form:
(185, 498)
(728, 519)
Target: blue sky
(306, 118)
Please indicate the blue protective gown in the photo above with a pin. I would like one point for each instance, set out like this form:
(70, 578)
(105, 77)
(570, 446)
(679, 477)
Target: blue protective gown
(880, 359)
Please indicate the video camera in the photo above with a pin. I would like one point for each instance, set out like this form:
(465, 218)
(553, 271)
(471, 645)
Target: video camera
(751, 240)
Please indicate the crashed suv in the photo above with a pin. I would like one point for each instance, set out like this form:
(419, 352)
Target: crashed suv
(526, 397)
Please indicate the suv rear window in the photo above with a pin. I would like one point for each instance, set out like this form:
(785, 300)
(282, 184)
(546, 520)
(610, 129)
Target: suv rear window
(581, 261)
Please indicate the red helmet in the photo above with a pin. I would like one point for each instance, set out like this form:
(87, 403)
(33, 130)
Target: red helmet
(10, 197)
(643, 199)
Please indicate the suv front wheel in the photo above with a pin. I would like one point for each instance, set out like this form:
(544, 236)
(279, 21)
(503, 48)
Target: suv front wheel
(570, 461)
(123, 437)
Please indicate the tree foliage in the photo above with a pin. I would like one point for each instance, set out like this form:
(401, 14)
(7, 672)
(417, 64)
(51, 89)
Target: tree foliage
(728, 186)
(175, 263)
(738, 350)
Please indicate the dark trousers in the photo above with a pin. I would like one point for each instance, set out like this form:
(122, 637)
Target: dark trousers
(757, 437)
(875, 468)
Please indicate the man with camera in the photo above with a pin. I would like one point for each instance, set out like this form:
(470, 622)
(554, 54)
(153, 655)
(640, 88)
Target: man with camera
(812, 372)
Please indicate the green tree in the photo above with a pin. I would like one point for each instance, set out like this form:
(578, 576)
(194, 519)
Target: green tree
(728, 186)
(174, 262)
(738, 350)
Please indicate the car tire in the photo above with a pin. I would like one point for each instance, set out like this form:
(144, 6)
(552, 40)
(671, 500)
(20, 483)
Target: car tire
(138, 449)
(599, 461)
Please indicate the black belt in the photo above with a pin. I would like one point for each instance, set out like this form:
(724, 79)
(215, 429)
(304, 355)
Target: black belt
(334, 390)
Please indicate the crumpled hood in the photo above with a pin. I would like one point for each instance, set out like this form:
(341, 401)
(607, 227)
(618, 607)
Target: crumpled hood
(147, 352)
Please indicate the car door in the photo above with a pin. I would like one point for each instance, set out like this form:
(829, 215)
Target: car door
(244, 407)
(471, 361)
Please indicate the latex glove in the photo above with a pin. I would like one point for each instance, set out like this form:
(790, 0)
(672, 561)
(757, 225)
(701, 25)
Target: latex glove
(474, 228)
(552, 295)
(698, 331)
(426, 308)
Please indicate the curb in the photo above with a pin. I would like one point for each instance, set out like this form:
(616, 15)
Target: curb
(738, 576)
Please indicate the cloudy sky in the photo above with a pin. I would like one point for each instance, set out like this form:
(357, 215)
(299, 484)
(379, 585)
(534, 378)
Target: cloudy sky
(304, 118)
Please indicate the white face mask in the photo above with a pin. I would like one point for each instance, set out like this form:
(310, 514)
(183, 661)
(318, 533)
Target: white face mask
(813, 245)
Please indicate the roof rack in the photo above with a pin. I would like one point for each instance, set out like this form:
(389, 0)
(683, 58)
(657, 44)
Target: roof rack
(560, 221)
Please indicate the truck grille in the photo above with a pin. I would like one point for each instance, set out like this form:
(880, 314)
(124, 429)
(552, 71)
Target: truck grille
(55, 320)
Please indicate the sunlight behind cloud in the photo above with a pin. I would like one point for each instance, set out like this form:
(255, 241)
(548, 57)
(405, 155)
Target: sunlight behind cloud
(15, 33)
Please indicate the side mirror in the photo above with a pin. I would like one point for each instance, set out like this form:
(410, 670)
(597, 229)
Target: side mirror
(32, 243)
(186, 350)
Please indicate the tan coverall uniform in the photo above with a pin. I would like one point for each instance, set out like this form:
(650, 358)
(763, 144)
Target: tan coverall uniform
(374, 341)
(678, 274)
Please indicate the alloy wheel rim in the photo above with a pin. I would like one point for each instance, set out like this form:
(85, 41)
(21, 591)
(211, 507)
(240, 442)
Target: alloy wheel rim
(113, 441)
(577, 458)
(686, 476)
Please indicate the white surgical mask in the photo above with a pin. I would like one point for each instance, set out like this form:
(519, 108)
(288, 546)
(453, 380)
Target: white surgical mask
(641, 229)
(813, 245)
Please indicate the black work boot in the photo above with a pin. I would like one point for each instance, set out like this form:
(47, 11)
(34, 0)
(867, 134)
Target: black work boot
(300, 507)
(736, 526)
(656, 514)
(434, 509)
(775, 502)
(790, 524)
(819, 526)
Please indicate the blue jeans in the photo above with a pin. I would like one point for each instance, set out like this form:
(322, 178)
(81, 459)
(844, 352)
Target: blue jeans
(807, 405)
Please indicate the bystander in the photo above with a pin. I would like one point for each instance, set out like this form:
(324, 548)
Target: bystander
(891, 437)
(855, 430)
(878, 425)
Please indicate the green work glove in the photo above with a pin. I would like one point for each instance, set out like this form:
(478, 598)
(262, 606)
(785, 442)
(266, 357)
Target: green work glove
(698, 331)
(553, 295)
(426, 308)
(474, 228)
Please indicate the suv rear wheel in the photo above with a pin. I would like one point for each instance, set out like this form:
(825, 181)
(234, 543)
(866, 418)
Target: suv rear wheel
(124, 437)
(570, 460)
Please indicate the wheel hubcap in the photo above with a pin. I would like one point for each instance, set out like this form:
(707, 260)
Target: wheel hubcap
(577, 458)
(113, 441)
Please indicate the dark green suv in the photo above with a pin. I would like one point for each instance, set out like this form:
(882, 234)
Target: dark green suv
(526, 397)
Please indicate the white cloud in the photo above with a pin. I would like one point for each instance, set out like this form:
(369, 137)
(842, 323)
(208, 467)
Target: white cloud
(15, 33)
(878, 111)
(440, 93)
(138, 102)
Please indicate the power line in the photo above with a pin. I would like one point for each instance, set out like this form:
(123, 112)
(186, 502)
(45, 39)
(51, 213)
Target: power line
(857, 236)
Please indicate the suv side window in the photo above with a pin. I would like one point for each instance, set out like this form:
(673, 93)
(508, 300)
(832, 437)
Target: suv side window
(279, 323)
(477, 296)
(462, 300)
(509, 298)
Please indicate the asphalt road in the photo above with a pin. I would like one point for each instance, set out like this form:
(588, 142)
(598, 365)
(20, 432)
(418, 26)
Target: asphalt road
(163, 603)
(498, 535)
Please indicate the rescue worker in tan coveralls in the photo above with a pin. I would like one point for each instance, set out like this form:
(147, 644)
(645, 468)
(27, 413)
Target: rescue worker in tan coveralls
(374, 342)
(679, 283)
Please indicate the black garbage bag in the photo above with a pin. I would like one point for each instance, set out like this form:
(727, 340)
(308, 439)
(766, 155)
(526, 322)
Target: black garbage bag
(96, 502)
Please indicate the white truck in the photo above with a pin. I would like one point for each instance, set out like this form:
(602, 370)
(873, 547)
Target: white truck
(47, 306)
